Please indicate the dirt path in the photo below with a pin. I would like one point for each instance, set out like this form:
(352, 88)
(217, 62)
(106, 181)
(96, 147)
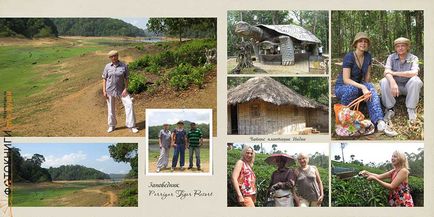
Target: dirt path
(113, 199)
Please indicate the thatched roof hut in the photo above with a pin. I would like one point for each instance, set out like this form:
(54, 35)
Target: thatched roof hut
(262, 105)
(272, 91)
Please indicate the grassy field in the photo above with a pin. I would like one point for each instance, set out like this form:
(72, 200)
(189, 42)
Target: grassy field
(154, 153)
(68, 194)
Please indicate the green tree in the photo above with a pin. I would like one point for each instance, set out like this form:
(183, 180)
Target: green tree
(128, 153)
(183, 26)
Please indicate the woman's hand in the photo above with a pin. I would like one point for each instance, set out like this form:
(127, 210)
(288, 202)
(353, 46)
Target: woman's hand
(364, 173)
(124, 92)
(366, 91)
(320, 199)
(240, 199)
(104, 93)
(371, 177)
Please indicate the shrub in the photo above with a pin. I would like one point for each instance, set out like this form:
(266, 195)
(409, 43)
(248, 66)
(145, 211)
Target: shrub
(136, 83)
(153, 69)
(129, 196)
(140, 63)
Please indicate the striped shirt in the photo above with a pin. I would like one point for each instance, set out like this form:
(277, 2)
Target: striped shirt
(194, 137)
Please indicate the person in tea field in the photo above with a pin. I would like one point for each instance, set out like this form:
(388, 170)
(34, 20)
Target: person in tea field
(115, 85)
(399, 189)
(308, 183)
(354, 80)
(282, 184)
(401, 78)
(244, 178)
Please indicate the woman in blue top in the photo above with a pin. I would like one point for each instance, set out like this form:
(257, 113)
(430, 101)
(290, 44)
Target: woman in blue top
(354, 79)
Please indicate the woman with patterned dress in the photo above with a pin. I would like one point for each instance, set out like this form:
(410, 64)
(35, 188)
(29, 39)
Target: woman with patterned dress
(399, 188)
(354, 80)
(243, 178)
(308, 183)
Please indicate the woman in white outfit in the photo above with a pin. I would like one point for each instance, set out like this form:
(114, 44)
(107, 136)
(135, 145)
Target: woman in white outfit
(115, 85)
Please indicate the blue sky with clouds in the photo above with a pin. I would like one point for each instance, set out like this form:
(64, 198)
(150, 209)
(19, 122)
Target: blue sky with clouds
(171, 116)
(93, 155)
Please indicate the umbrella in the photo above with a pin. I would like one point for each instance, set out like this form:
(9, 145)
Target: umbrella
(273, 158)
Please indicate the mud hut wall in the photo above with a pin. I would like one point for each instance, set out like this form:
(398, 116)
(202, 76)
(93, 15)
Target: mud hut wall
(229, 123)
(318, 119)
(272, 119)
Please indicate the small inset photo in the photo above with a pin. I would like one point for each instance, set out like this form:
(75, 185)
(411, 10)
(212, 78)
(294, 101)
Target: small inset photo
(377, 75)
(179, 141)
(377, 174)
(284, 42)
(74, 175)
(278, 106)
(277, 175)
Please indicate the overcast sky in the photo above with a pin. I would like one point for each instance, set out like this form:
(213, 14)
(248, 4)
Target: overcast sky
(138, 22)
(158, 117)
(93, 155)
(373, 152)
(294, 148)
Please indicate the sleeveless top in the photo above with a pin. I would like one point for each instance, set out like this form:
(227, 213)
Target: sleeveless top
(400, 196)
(306, 184)
(247, 180)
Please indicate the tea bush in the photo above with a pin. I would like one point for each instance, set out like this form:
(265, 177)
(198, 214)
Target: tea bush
(184, 75)
(137, 83)
(263, 173)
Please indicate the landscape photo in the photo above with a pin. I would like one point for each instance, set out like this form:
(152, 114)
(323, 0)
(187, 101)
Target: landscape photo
(52, 71)
(172, 118)
(74, 175)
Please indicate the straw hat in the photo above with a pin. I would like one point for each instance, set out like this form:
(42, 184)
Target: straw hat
(359, 36)
(274, 157)
(112, 53)
(401, 40)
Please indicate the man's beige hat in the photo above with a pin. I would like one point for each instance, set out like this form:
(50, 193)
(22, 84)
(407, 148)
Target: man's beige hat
(401, 40)
(112, 53)
(359, 36)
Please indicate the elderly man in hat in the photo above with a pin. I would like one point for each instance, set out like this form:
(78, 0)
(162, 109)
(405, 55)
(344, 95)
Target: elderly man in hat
(164, 140)
(400, 78)
(115, 85)
(179, 141)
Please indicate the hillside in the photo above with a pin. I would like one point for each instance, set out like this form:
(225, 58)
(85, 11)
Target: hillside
(76, 172)
(96, 27)
(27, 27)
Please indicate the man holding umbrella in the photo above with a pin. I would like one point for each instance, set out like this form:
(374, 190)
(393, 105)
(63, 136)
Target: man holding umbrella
(282, 181)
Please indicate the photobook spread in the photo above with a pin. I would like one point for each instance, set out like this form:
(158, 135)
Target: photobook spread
(155, 112)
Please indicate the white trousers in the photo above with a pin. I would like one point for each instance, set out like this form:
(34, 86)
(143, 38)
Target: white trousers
(129, 111)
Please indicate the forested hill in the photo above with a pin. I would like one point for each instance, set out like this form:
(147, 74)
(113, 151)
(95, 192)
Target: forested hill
(96, 27)
(76, 172)
(53, 27)
(27, 27)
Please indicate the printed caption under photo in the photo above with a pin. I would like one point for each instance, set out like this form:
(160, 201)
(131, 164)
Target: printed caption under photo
(166, 190)
(263, 139)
